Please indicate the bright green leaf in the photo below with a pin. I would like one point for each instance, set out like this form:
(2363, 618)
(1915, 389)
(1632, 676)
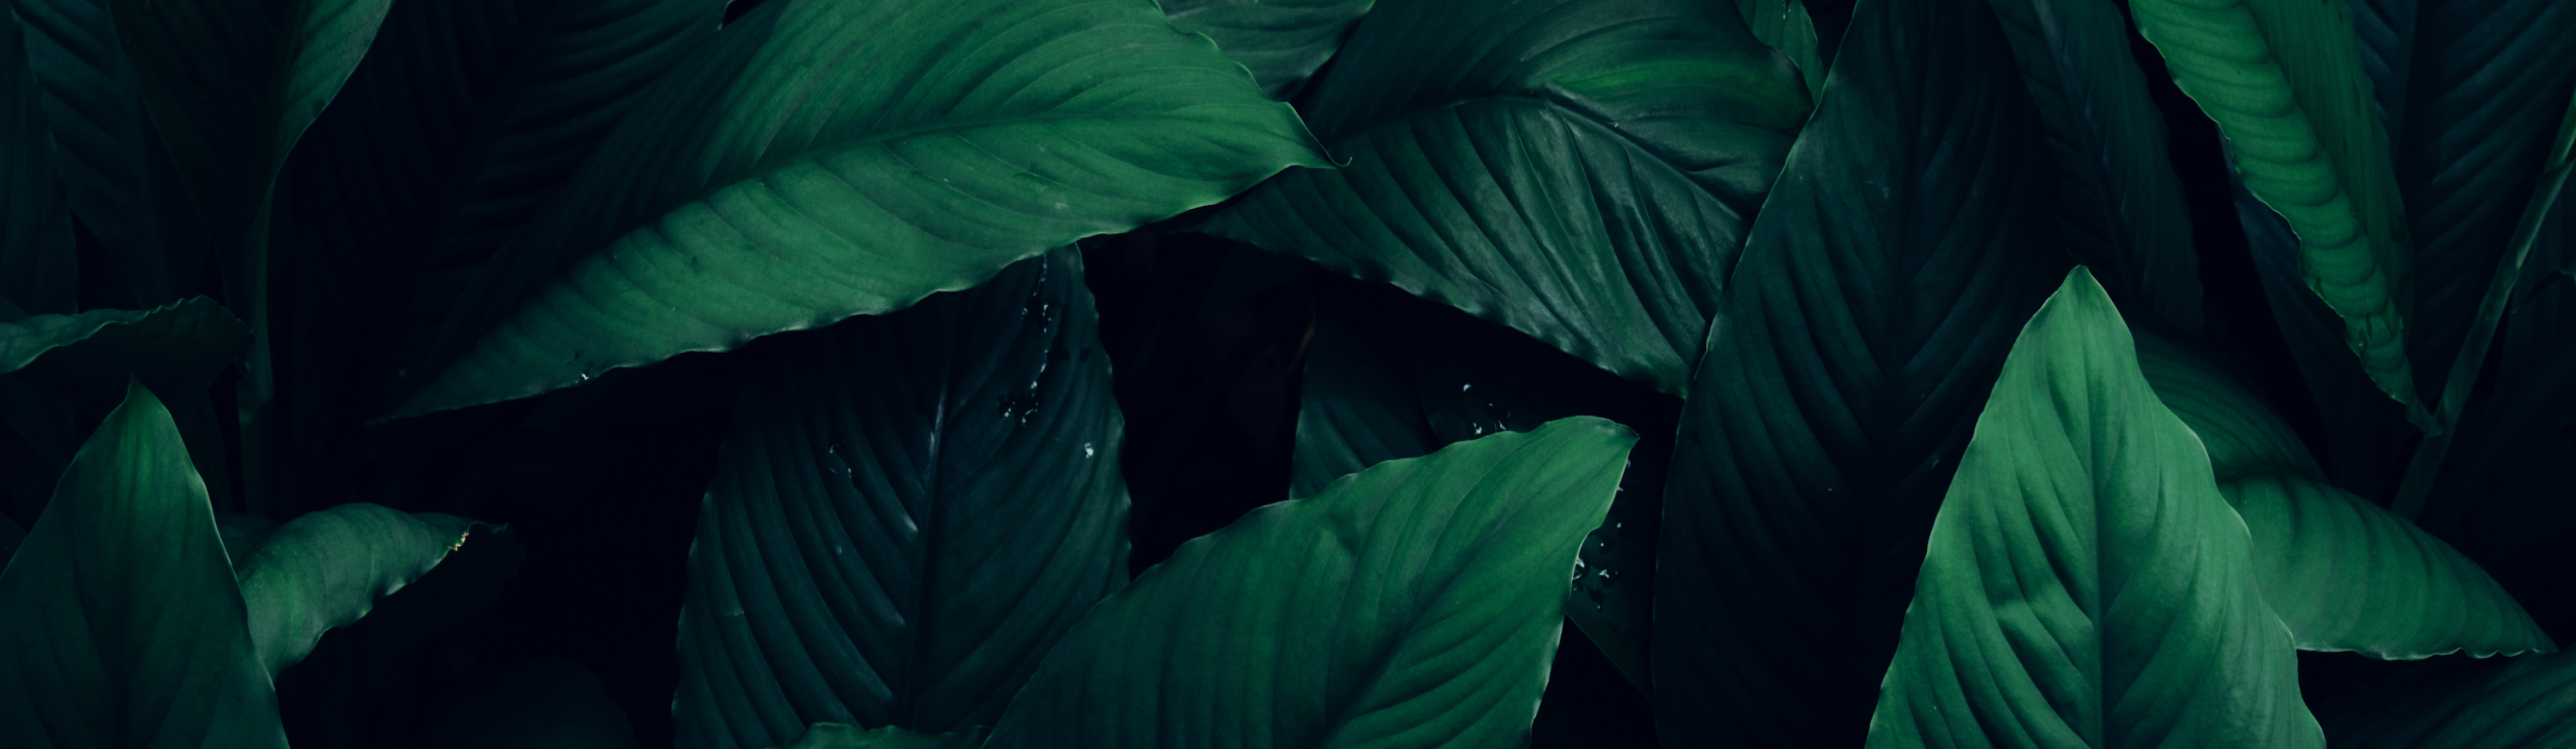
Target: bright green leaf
(38, 272)
(2345, 574)
(1910, 235)
(825, 159)
(2086, 584)
(2285, 81)
(123, 581)
(1281, 41)
(844, 736)
(2507, 703)
(1413, 604)
(1581, 170)
(911, 510)
(325, 569)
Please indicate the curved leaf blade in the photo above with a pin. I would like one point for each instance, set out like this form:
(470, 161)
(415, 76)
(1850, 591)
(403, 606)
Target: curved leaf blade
(2286, 83)
(2086, 585)
(2237, 427)
(1583, 171)
(325, 569)
(1786, 26)
(821, 160)
(1842, 379)
(1413, 604)
(119, 178)
(2528, 701)
(911, 510)
(1281, 41)
(2345, 574)
(124, 581)
(180, 345)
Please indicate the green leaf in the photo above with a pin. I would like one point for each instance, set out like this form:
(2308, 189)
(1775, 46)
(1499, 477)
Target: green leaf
(124, 581)
(242, 532)
(2508, 703)
(2239, 429)
(1910, 234)
(2086, 585)
(1786, 26)
(911, 510)
(178, 346)
(1583, 171)
(1281, 41)
(231, 85)
(38, 272)
(2121, 205)
(1413, 604)
(2366, 433)
(325, 569)
(1389, 376)
(821, 159)
(2345, 574)
(844, 736)
(553, 703)
(119, 178)
(2285, 81)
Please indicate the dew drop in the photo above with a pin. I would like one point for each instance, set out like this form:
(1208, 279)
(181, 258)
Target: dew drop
(1086, 450)
(1463, 387)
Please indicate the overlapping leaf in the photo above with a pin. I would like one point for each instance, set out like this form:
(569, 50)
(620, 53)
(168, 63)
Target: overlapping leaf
(1787, 27)
(1910, 235)
(1581, 170)
(911, 510)
(2528, 701)
(124, 581)
(1413, 604)
(326, 568)
(820, 160)
(2286, 82)
(119, 178)
(2086, 585)
(1281, 42)
(2346, 574)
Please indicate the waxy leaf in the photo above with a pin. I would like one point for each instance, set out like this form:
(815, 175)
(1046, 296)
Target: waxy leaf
(2346, 574)
(2086, 584)
(2240, 431)
(911, 510)
(2285, 81)
(1413, 604)
(1912, 232)
(123, 580)
(1281, 41)
(1583, 171)
(326, 568)
(823, 159)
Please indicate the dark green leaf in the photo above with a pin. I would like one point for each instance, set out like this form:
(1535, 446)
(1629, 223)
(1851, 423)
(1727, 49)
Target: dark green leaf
(822, 159)
(2507, 703)
(910, 512)
(844, 736)
(123, 581)
(2286, 82)
(1786, 26)
(38, 271)
(1911, 234)
(2086, 584)
(2345, 574)
(2366, 433)
(1413, 604)
(547, 704)
(1393, 376)
(178, 346)
(120, 179)
(2241, 432)
(2121, 203)
(1281, 41)
(1581, 170)
(242, 532)
(326, 569)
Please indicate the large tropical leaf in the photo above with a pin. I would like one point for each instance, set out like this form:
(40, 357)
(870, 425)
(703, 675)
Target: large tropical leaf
(2366, 433)
(1281, 42)
(2086, 585)
(325, 569)
(2121, 203)
(38, 271)
(2286, 83)
(2505, 703)
(85, 358)
(462, 120)
(119, 177)
(1413, 604)
(824, 159)
(124, 582)
(1581, 170)
(910, 512)
(1787, 27)
(1393, 376)
(2240, 431)
(1910, 235)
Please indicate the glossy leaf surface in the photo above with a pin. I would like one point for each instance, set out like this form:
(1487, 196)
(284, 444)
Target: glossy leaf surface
(2286, 83)
(1413, 604)
(1786, 26)
(2346, 574)
(1583, 171)
(326, 568)
(821, 159)
(1282, 42)
(2241, 432)
(1910, 236)
(911, 510)
(2086, 583)
(124, 581)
